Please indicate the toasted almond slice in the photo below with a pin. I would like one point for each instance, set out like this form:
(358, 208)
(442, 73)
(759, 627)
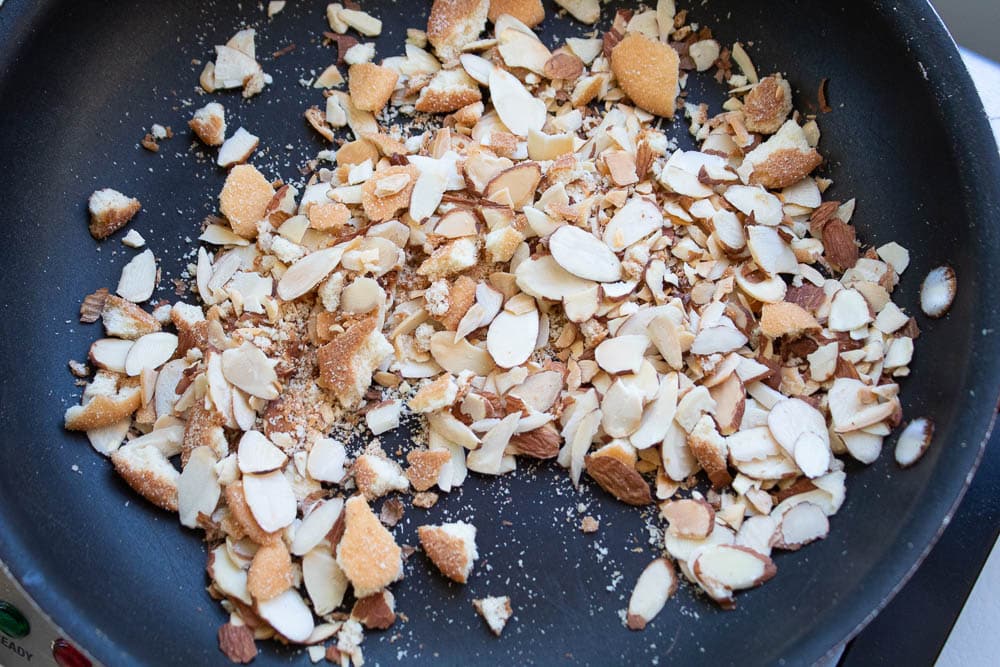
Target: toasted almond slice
(107, 439)
(237, 148)
(914, 441)
(288, 615)
(249, 369)
(938, 291)
(316, 525)
(519, 110)
(110, 353)
(791, 418)
(770, 251)
(521, 49)
(544, 278)
(622, 354)
(326, 461)
(270, 499)
(718, 339)
(488, 459)
(511, 338)
(150, 352)
(690, 518)
(325, 582)
(800, 525)
(622, 408)
(309, 271)
(848, 311)
(384, 417)
(519, 181)
(540, 391)
(704, 53)
(658, 416)
(543, 146)
(138, 278)
(710, 449)
(198, 487)
(656, 585)
(757, 202)
(584, 255)
(619, 479)
(477, 67)
(257, 454)
(636, 220)
(458, 356)
(731, 567)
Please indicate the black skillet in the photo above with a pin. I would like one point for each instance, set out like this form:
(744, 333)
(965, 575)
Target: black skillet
(82, 81)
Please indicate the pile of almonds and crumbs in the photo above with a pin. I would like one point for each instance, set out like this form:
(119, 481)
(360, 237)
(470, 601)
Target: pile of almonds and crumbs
(511, 254)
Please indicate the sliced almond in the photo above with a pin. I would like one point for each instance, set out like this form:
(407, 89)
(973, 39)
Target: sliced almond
(622, 354)
(488, 458)
(308, 272)
(800, 525)
(620, 480)
(622, 410)
(726, 568)
(584, 255)
(938, 291)
(198, 487)
(519, 110)
(511, 338)
(914, 441)
(458, 356)
(249, 369)
(150, 352)
(110, 353)
(316, 526)
(519, 182)
(656, 585)
(270, 499)
(770, 251)
(288, 615)
(257, 454)
(138, 278)
(237, 148)
(636, 220)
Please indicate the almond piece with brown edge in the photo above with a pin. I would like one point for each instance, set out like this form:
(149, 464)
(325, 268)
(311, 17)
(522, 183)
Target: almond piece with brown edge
(451, 547)
(801, 524)
(656, 585)
(540, 443)
(236, 643)
(710, 449)
(618, 479)
(724, 568)
(495, 610)
(647, 71)
(367, 552)
(520, 182)
(371, 85)
(690, 518)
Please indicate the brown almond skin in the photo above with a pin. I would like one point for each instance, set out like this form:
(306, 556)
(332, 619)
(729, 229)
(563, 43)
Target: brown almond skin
(541, 443)
(618, 479)
(236, 642)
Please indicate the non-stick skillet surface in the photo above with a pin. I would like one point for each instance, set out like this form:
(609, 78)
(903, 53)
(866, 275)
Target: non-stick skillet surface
(80, 83)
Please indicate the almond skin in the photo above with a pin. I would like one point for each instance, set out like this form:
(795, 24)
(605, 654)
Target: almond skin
(541, 443)
(618, 479)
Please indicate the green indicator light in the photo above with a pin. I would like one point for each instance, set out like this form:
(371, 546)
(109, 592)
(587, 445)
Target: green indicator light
(12, 621)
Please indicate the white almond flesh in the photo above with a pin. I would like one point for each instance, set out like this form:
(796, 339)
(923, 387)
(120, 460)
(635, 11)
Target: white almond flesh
(789, 419)
(938, 291)
(543, 278)
(704, 53)
(459, 356)
(151, 351)
(770, 251)
(110, 353)
(511, 338)
(165, 394)
(636, 220)
(718, 339)
(658, 415)
(325, 582)
(812, 454)
(229, 578)
(848, 311)
(864, 447)
(729, 231)
(622, 408)
(288, 615)
(107, 439)
(770, 290)
(237, 148)
(520, 49)
(622, 354)
(326, 461)
(540, 391)
(249, 369)
(582, 306)
(256, 454)
(271, 500)
(894, 254)
(655, 586)
(736, 568)
(309, 271)
(384, 417)
(756, 533)
(316, 525)
(756, 201)
(138, 278)
(914, 441)
(198, 487)
(584, 255)
(586, 11)
(488, 458)
(519, 110)
(477, 67)
(800, 525)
